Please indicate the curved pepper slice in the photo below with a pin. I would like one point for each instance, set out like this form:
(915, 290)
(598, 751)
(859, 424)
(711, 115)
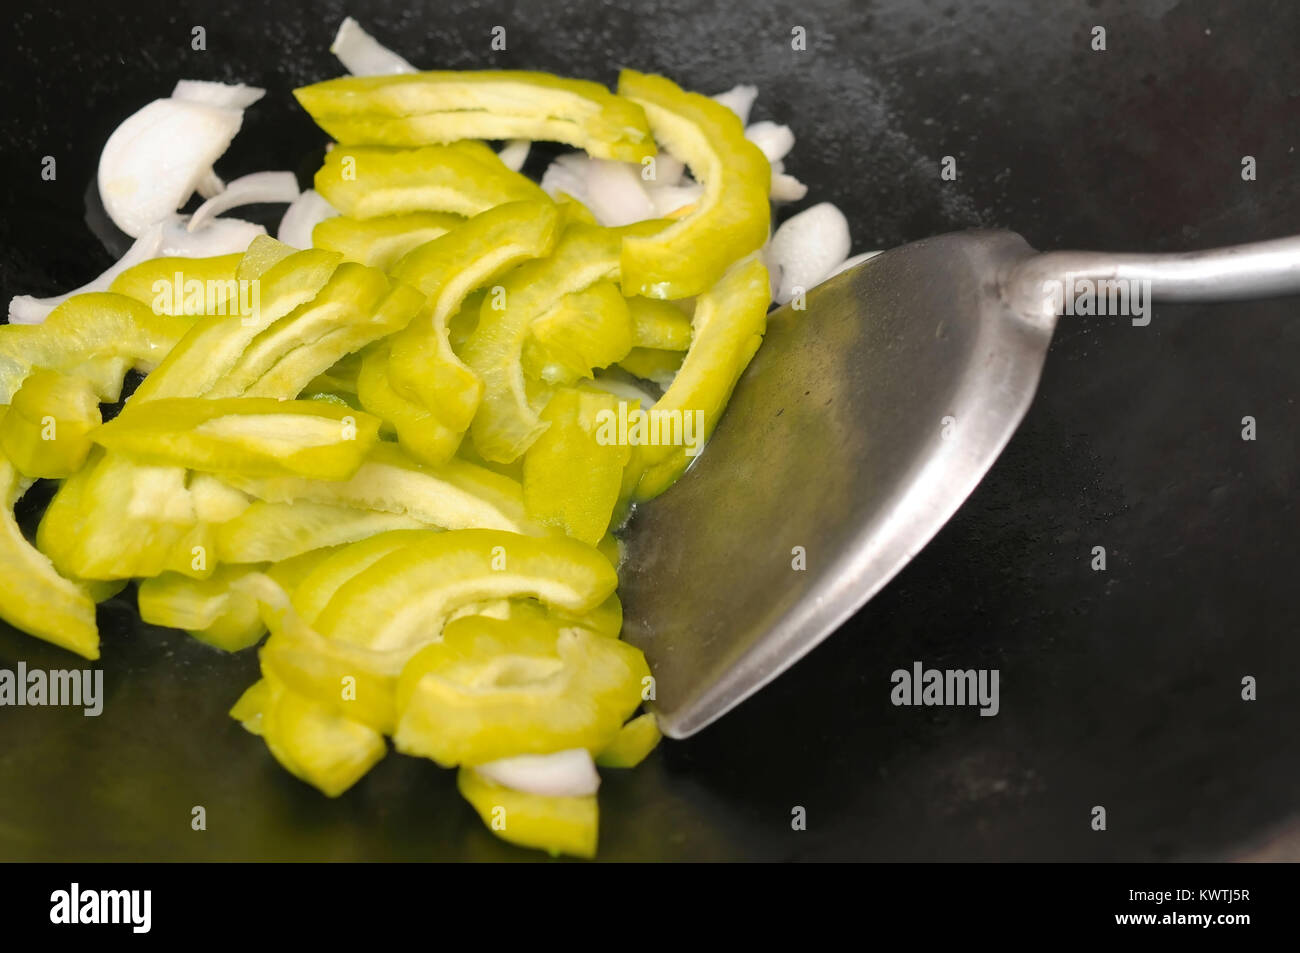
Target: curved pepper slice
(314, 744)
(422, 364)
(380, 242)
(634, 742)
(494, 689)
(403, 600)
(443, 106)
(213, 610)
(456, 495)
(658, 324)
(507, 423)
(557, 825)
(339, 378)
(419, 432)
(33, 596)
(183, 285)
(216, 343)
(253, 436)
(84, 332)
(571, 476)
(585, 330)
(47, 430)
(732, 217)
(653, 364)
(729, 322)
(465, 178)
(270, 532)
(319, 586)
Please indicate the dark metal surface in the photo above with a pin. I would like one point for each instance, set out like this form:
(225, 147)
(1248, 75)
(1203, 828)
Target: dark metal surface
(1118, 688)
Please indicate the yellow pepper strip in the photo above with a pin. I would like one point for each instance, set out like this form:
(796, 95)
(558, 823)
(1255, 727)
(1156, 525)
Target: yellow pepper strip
(339, 378)
(403, 600)
(319, 586)
(263, 254)
(507, 423)
(729, 322)
(585, 330)
(380, 242)
(314, 744)
(290, 573)
(444, 106)
(653, 364)
(116, 519)
(422, 365)
(557, 825)
(106, 375)
(733, 215)
(456, 495)
(183, 285)
(571, 479)
(270, 532)
(47, 430)
(659, 324)
(606, 619)
(420, 433)
(465, 179)
(212, 610)
(33, 596)
(82, 334)
(494, 689)
(634, 742)
(252, 436)
(216, 343)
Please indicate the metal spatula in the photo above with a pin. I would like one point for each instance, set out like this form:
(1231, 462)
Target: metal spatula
(860, 427)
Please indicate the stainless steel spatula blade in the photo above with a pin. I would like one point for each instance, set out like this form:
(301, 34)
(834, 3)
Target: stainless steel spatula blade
(860, 427)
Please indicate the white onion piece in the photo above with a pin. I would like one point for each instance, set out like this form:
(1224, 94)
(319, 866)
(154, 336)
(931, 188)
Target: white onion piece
(222, 95)
(852, 263)
(563, 774)
(254, 189)
(622, 388)
(210, 184)
(567, 174)
(153, 161)
(668, 170)
(775, 141)
(306, 212)
(808, 247)
(168, 238)
(785, 187)
(515, 153)
(740, 100)
(362, 55)
(668, 199)
(611, 190)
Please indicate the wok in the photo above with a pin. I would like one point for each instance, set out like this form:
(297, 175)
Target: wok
(1120, 688)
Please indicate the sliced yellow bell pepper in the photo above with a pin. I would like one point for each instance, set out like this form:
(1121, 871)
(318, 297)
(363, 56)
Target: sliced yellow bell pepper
(729, 322)
(444, 106)
(465, 178)
(212, 610)
(634, 742)
(584, 330)
(653, 364)
(183, 285)
(456, 495)
(659, 324)
(380, 242)
(263, 254)
(422, 365)
(494, 689)
(557, 825)
(33, 596)
(339, 378)
(571, 478)
(733, 215)
(96, 333)
(250, 436)
(47, 430)
(270, 532)
(319, 586)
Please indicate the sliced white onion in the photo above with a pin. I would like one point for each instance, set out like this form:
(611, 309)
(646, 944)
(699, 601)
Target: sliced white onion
(852, 263)
(153, 161)
(563, 774)
(740, 100)
(668, 170)
(622, 388)
(210, 184)
(773, 139)
(669, 198)
(306, 212)
(611, 190)
(515, 153)
(254, 189)
(362, 55)
(168, 238)
(785, 187)
(221, 95)
(808, 247)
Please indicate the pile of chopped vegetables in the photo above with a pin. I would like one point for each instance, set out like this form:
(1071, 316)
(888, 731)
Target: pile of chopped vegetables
(378, 437)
